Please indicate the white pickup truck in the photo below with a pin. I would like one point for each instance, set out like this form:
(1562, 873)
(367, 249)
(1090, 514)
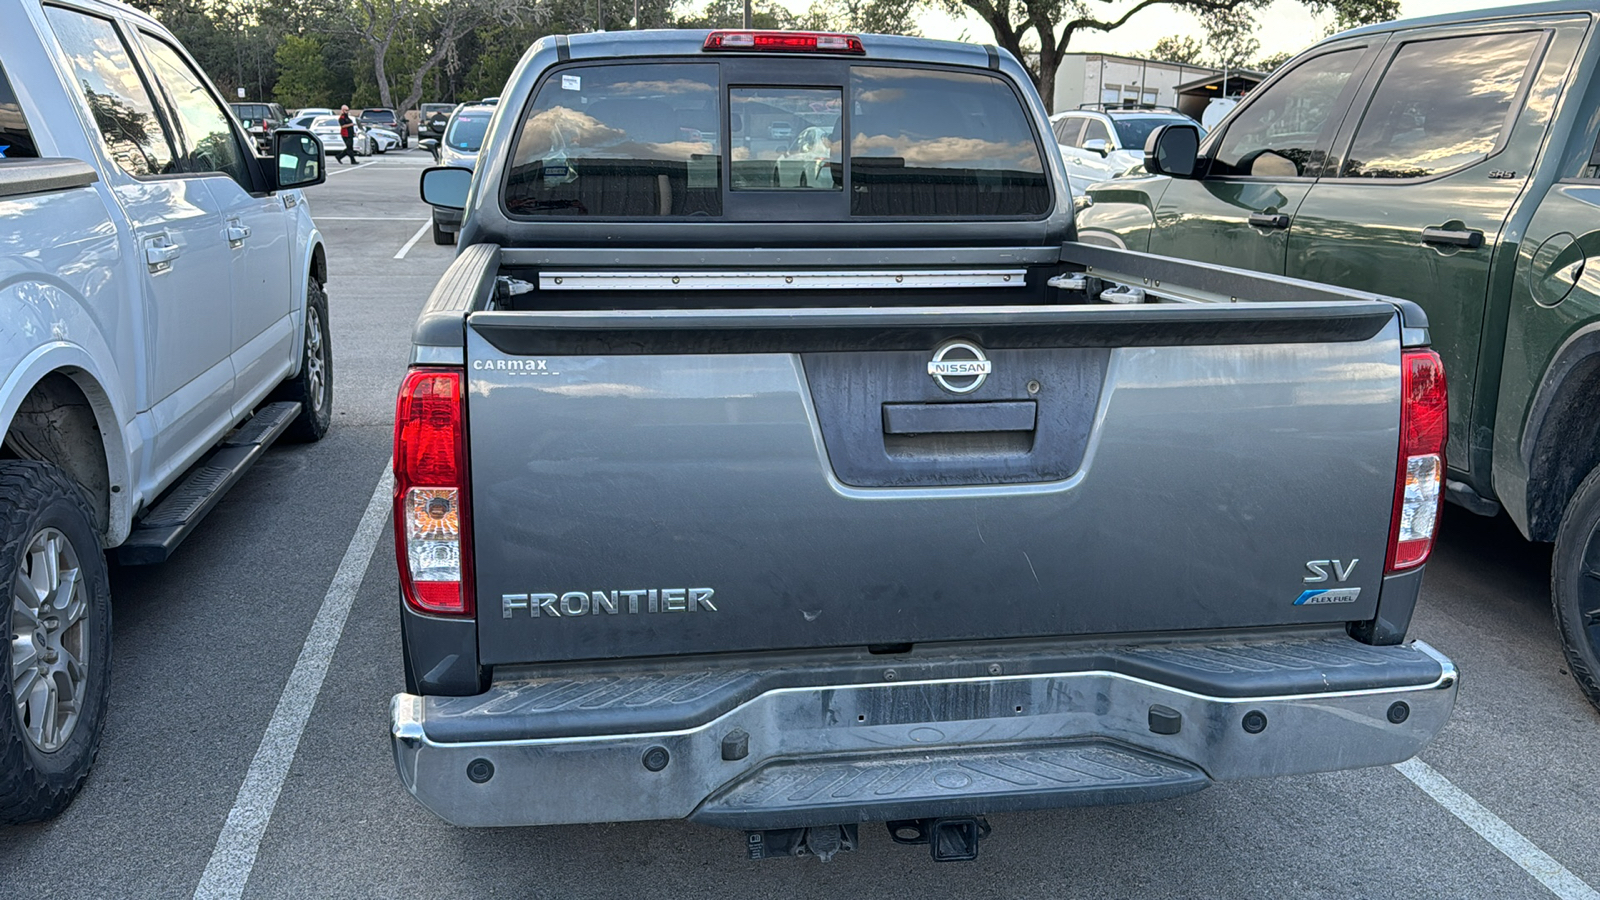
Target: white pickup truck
(162, 322)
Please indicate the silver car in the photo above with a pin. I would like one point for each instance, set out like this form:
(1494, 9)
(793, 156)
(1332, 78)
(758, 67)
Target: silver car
(463, 137)
(326, 128)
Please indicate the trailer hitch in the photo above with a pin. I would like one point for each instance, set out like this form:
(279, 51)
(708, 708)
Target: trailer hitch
(824, 842)
(949, 840)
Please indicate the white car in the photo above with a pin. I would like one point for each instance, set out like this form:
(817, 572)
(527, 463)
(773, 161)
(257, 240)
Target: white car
(1100, 143)
(383, 139)
(326, 128)
(162, 321)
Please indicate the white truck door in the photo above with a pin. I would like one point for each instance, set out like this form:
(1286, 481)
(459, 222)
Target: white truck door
(262, 339)
(177, 233)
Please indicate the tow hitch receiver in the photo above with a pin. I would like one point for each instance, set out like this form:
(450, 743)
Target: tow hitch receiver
(950, 840)
(822, 841)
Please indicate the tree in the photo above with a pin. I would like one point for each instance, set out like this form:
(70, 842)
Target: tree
(1271, 63)
(1048, 26)
(302, 74)
(869, 16)
(1230, 35)
(730, 14)
(384, 26)
(1177, 48)
(1349, 14)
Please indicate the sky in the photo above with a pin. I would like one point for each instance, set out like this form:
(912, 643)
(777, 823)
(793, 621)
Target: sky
(1286, 26)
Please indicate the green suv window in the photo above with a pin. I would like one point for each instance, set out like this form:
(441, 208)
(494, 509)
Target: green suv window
(1442, 104)
(1282, 135)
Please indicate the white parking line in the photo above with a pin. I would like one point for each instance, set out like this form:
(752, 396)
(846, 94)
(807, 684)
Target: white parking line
(235, 854)
(368, 219)
(368, 167)
(426, 226)
(1493, 829)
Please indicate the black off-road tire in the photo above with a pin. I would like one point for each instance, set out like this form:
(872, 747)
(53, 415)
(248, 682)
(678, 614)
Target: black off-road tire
(312, 387)
(1575, 586)
(440, 236)
(36, 499)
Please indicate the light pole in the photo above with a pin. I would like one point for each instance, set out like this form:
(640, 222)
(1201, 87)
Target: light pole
(747, 14)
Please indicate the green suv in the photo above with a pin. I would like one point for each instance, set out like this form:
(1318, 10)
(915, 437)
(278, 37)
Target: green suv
(1452, 161)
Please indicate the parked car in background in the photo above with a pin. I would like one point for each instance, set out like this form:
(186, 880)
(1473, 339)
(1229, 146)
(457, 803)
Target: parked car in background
(463, 138)
(1102, 142)
(383, 139)
(379, 117)
(162, 322)
(1453, 161)
(260, 119)
(432, 119)
(327, 129)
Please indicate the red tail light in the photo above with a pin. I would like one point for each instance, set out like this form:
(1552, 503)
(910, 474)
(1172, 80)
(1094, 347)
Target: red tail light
(785, 42)
(430, 493)
(1419, 480)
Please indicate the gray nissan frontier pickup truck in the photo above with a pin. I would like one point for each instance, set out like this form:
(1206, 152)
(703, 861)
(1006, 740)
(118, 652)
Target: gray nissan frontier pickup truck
(774, 457)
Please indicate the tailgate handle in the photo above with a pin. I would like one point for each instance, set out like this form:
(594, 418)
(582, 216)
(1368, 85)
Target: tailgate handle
(947, 418)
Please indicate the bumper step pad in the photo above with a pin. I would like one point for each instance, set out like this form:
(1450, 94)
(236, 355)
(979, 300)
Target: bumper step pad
(955, 782)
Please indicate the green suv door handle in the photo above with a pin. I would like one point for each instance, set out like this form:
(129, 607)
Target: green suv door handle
(1269, 220)
(1470, 239)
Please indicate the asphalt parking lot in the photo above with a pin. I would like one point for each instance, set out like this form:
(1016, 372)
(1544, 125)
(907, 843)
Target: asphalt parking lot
(246, 751)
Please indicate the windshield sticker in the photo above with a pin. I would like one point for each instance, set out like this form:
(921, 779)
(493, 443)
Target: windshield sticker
(572, 82)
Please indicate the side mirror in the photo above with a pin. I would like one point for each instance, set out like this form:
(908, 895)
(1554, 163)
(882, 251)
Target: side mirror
(1098, 145)
(299, 156)
(431, 145)
(1173, 150)
(735, 122)
(446, 186)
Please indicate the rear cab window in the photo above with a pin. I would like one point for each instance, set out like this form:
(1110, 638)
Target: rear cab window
(687, 139)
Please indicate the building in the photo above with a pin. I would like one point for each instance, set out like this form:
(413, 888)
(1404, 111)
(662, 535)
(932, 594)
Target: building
(1195, 97)
(1108, 78)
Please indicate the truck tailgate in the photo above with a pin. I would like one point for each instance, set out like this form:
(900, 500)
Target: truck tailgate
(649, 483)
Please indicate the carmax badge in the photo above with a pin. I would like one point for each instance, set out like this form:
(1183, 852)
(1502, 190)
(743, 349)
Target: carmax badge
(959, 367)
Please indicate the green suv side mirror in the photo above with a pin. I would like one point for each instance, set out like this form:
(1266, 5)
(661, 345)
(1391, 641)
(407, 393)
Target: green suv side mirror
(300, 162)
(1173, 150)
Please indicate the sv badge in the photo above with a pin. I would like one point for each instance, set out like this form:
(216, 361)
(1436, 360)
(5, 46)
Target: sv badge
(1319, 569)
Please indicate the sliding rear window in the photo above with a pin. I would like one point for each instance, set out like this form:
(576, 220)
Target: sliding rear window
(671, 139)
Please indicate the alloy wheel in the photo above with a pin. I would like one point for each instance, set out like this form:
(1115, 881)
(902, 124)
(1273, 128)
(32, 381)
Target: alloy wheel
(316, 362)
(49, 659)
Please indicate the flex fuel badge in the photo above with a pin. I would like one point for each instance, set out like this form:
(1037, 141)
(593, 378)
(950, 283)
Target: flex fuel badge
(1331, 595)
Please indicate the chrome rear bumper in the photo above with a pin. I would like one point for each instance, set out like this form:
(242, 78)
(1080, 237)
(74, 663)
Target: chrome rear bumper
(839, 753)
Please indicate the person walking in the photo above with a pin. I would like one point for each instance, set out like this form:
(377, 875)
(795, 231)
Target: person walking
(347, 130)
